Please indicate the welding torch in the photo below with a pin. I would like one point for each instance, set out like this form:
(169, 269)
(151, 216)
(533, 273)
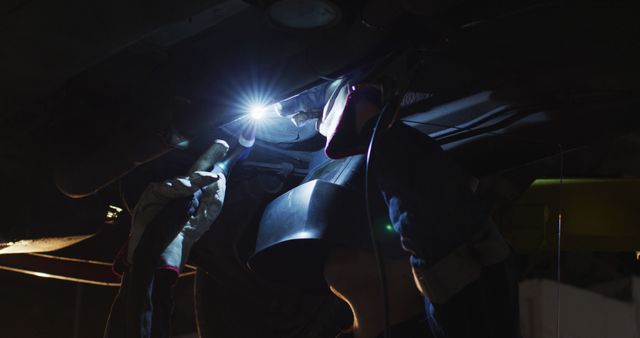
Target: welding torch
(167, 224)
(246, 140)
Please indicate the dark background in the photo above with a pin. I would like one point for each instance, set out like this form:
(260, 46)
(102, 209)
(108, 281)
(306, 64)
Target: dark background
(34, 307)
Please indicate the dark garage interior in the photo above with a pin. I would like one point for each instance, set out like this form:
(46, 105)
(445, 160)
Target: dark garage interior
(320, 169)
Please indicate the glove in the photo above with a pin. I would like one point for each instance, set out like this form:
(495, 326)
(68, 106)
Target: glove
(208, 187)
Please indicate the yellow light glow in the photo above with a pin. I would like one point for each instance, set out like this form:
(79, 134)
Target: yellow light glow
(42, 274)
(65, 278)
(355, 324)
(112, 214)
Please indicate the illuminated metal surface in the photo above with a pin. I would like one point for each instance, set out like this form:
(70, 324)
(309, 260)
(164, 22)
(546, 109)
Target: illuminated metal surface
(254, 104)
(40, 244)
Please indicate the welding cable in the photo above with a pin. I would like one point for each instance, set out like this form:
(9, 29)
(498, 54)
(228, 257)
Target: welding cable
(374, 242)
(385, 118)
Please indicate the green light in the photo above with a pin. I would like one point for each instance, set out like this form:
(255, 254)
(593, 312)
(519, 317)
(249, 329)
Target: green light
(389, 227)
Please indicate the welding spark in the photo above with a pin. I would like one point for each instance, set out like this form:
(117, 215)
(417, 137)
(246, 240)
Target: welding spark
(257, 111)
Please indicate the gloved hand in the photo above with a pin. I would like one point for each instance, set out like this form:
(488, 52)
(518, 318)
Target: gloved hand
(209, 189)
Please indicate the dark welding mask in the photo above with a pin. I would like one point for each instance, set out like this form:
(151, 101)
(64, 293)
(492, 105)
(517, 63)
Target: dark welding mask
(352, 110)
(299, 228)
(345, 124)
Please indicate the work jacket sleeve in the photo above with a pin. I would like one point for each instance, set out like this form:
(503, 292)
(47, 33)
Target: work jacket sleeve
(432, 205)
(158, 194)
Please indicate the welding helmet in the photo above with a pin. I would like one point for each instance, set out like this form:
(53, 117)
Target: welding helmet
(299, 228)
(346, 123)
(346, 135)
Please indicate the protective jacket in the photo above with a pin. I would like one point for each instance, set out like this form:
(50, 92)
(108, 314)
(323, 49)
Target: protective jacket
(168, 219)
(455, 247)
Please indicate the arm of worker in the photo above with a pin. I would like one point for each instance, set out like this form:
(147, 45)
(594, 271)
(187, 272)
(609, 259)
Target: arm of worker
(431, 203)
(211, 201)
(145, 301)
(208, 188)
(434, 208)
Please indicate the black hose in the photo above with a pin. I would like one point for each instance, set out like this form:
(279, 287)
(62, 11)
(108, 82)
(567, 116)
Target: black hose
(385, 117)
(374, 241)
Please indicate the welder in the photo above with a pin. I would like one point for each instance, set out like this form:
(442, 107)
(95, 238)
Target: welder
(169, 217)
(460, 262)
